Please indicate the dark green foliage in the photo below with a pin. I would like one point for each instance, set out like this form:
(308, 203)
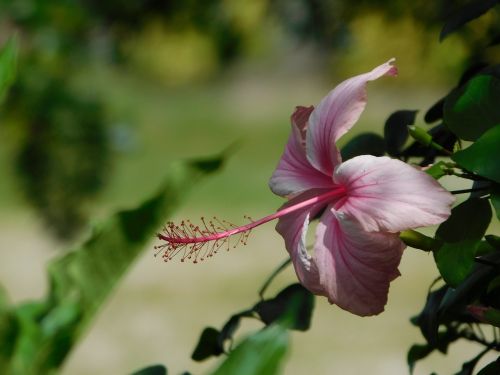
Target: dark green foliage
(478, 157)
(152, 370)
(468, 367)
(9, 333)
(441, 136)
(292, 306)
(8, 65)
(261, 353)
(472, 109)
(396, 130)
(420, 351)
(229, 329)
(366, 143)
(437, 170)
(65, 159)
(472, 287)
(435, 113)
(427, 320)
(460, 238)
(416, 353)
(493, 240)
(295, 300)
(444, 318)
(208, 345)
(466, 221)
(212, 342)
(465, 14)
(492, 368)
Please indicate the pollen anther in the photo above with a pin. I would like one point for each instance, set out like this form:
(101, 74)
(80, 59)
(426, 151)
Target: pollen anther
(199, 242)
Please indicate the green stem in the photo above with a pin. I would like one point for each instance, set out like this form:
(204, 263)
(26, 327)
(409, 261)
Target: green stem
(273, 275)
(418, 240)
(463, 191)
(420, 135)
(469, 176)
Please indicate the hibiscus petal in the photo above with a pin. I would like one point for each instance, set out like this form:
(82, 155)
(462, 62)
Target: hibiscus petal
(293, 229)
(355, 267)
(386, 194)
(336, 114)
(294, 174)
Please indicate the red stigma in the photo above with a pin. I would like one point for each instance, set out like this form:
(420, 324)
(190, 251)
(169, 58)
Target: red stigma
(199, 242)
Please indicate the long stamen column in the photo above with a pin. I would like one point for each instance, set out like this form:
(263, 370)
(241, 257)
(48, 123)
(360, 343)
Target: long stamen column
(197, 242)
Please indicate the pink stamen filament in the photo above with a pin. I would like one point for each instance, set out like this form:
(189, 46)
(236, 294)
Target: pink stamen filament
(178, 237)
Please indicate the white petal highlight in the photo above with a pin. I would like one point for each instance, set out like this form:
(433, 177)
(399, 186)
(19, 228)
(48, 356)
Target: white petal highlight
(336, 114)
(385, 194)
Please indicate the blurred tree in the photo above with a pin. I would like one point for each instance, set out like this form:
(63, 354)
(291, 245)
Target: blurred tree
(65, 154)
(327, 22)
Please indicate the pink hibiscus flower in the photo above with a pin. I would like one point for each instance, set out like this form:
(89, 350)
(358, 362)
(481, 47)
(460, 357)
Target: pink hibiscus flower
(357, 248)
(363, 204)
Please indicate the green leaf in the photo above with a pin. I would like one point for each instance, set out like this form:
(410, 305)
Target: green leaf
(493, 240)
(492, 368)
(427, 320)
(468, 367)
(212, 342)
(460, 236)
(468, 221)
(465, 14)
(471, 110)
(456, 260)
(437, 170)
(416, 353)
(472, 287)
(208, 345)
(152, 370)
(396, 130)
(9, 333)
(228, 330)
(8, 61)
(261, 353)
(295, 300)
(481, 157)
(364, 144)
(81, 280)
(435, 113)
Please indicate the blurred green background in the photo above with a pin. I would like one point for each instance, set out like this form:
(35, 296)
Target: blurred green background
(107, 95)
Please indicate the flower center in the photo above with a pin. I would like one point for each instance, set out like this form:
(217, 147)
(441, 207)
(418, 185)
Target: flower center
(197, 242)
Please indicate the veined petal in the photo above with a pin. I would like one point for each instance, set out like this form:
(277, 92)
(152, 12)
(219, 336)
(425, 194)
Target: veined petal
(336, 114)
(386, 194)
(355, 267)
(293, 229)
(294, 174)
